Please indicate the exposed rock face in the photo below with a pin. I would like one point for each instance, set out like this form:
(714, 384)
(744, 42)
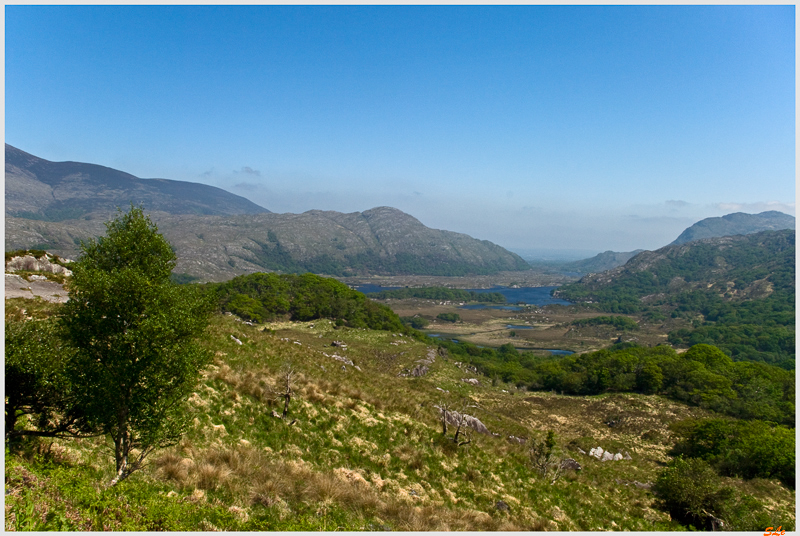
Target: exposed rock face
(606, 456)
(17, 287)
(570, 465)
(29, 263)
(452, 417)
(419, 370)
(382, 240)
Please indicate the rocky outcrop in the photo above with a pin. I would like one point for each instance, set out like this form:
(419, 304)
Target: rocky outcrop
(29, 263)
(453, 418)
(606, 456)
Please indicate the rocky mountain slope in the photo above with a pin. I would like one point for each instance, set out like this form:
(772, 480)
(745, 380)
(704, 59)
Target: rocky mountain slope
(743, 261)
(57, 191)
(218, 235)
(737, 223)
(382, 240)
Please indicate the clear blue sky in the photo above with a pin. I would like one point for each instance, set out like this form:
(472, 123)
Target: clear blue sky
(535, 127)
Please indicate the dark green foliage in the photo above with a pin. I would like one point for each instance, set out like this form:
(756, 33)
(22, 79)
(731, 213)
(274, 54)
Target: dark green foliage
(440, 293)
(134, 333)
(751, 321)
(449, 317)
(746, 449)
(261, 297)
(622, 323)
(693, 494)
(702, 376)
(541, 452)
(37, 383)
(416, 322)
(182, 279)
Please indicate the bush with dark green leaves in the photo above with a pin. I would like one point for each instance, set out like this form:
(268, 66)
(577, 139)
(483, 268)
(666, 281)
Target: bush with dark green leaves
(37, 382)
(702, 376)
(416, 322)
(449, 317)
(693, 494)
(262, 297)
(746, 449)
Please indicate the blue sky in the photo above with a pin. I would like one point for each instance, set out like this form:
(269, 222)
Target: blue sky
(536, 127)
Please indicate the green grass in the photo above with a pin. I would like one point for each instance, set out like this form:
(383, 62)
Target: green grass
(365, 451)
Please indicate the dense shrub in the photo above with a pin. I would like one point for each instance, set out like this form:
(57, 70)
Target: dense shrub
(746, 449)
(693, 494)
(261, 297)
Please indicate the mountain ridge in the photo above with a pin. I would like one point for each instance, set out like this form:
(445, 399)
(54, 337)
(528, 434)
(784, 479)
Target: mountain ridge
(736, 223)
(218, 235)
(57, 191)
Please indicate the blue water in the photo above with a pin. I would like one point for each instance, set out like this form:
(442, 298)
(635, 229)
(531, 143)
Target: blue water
(512, 326)
(525, 295)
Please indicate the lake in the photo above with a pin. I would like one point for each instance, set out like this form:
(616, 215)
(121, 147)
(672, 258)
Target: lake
(527, 295)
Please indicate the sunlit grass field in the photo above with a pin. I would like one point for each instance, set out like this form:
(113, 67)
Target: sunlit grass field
(360, 449)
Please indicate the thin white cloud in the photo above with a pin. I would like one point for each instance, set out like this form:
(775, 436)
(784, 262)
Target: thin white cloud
(677, 203)
(247, 170)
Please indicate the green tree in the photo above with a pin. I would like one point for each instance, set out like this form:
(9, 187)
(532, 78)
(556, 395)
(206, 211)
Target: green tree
(134, 332)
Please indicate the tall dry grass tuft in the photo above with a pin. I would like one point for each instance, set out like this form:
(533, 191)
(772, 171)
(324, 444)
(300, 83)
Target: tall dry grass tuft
(210, 477)
(324, 487)
(313, 394)
(174, 467)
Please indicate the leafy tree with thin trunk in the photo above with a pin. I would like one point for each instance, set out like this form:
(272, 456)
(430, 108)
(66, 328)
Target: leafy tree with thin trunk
(134, 333)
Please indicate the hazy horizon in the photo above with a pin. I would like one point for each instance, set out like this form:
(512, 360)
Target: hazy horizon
(539, 128)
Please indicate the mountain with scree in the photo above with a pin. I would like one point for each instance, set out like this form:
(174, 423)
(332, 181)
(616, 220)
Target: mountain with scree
(55, 205)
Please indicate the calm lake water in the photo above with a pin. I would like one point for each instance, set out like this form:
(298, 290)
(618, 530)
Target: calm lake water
(527, 295)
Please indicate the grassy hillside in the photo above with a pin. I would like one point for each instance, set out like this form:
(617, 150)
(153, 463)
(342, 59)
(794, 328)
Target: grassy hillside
(362, 448)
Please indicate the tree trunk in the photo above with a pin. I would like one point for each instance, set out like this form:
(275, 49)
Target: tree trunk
(286, 398)
(11, 417)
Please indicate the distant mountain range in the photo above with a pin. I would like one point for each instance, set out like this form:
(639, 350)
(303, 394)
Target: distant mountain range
(601, 262)
(737, 223)
(217, 235)
(734, 224)
(699, 264)
(58, 191)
